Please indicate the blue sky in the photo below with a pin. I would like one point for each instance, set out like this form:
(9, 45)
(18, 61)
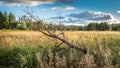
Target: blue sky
(79, 12)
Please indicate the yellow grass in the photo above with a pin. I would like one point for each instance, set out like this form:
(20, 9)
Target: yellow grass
(10, 38)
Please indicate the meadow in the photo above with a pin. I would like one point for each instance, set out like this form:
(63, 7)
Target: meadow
(31, 49)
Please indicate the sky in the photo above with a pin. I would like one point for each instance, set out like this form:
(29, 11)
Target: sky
(70, 12)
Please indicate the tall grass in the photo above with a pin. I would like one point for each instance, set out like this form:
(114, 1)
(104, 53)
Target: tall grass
(29, 49)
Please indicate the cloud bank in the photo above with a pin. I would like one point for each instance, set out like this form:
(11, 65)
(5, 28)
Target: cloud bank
(31, 2)
(87, 17)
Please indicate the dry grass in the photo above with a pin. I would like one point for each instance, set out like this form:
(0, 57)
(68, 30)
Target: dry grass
(9, 38)
(23, 46)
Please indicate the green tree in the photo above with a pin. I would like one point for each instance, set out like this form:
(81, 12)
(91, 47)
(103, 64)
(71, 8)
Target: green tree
(1, 20)
(92, 26)
(115, 27)
(21, 26)
(12, 21)
(5, 20)
(11, 18)
(38, 25)
(29, 24)
(104, 26)
(26, 23)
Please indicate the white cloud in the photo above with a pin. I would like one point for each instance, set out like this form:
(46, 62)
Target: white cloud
(93, 16)
(87, 17)
(25, 3)
(118, 11)
(69, 8)
(31, 2)
(43, 9)
(63, 7)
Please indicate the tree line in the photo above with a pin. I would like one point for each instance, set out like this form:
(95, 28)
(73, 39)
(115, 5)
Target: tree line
(8, 21)
(103, 26)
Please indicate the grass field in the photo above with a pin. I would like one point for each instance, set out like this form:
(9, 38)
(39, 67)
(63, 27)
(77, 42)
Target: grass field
(30, 49)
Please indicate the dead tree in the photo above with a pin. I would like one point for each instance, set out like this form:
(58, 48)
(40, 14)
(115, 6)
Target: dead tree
(61, 37)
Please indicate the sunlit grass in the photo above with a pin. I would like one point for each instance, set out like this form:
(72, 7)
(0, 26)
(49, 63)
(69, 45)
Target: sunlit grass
(31, 49)
(9, 38)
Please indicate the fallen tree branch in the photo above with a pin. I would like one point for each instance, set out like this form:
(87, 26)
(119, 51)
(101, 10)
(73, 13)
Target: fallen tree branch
(83, 50)
(65, 41)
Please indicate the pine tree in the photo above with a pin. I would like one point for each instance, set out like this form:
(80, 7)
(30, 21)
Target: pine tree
(5, 20)
(11, 20)
(1, 20)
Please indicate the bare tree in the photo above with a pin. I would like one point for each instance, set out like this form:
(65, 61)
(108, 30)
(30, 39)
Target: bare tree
(59, 35)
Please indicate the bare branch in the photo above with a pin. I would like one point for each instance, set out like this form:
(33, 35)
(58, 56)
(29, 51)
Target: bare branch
(47, 32)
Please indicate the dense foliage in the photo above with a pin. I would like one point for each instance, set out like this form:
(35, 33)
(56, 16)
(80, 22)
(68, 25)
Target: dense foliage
(8, 21)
